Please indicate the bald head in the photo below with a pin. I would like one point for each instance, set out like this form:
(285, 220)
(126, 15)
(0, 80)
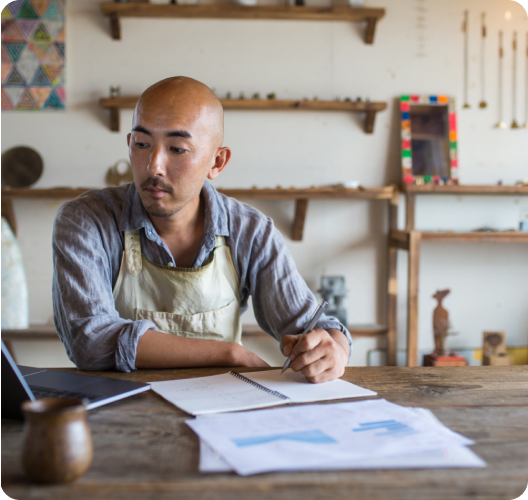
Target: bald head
(189, 100)
(176, 145)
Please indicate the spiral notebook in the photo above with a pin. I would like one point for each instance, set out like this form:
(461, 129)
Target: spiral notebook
(243, 391)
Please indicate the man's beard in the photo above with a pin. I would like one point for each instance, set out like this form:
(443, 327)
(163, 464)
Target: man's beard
(154, 210)
(160, 211)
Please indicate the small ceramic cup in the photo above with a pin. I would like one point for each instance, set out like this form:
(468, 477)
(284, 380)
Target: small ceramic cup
(58, 443)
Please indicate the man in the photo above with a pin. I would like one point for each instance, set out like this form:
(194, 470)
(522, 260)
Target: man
(155, 274)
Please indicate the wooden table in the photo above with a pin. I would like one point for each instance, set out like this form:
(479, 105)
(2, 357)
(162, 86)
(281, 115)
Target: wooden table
(144, 450)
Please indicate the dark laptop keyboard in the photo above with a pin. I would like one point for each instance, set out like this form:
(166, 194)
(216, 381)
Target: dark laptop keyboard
(42, 392)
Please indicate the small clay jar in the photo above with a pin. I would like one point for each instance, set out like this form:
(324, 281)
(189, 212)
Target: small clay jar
(58, 442)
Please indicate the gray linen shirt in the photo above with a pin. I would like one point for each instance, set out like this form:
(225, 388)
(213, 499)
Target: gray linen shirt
(88, 243)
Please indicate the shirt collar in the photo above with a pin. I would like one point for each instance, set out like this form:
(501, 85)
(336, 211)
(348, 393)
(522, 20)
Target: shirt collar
(134, 215)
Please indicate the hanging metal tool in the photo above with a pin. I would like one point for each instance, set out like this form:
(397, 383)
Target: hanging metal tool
(502, 123)
(466, 58)
(526, 85)
(514, 82)
(483, 103)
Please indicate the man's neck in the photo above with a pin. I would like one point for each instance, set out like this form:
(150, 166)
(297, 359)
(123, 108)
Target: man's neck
(183, 231)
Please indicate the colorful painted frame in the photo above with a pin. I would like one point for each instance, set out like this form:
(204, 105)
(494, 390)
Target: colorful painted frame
(406, 101)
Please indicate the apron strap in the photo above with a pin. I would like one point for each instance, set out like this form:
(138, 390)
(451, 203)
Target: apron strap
(133, 252)
(219, 241)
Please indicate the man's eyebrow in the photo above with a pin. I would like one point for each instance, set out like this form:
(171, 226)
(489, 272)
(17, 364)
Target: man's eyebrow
(179, 133)
(139, 128)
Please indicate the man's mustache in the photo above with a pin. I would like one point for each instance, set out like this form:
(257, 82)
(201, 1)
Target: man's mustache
(156, 182)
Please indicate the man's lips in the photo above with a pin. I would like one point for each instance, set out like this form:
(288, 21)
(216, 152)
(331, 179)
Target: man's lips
(155, 192)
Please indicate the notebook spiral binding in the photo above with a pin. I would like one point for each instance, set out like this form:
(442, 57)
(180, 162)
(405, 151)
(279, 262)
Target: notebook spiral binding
(261, 387)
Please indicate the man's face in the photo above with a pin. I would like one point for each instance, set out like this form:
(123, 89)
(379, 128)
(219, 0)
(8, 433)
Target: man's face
(172, 150)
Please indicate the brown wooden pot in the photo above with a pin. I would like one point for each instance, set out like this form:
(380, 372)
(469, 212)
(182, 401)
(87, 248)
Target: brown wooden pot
(58, 442)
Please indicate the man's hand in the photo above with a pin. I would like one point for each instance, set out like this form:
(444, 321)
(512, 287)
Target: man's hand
(320, 355)
(244, 357)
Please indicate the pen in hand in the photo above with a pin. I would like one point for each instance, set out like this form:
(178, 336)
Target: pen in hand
(308, 328)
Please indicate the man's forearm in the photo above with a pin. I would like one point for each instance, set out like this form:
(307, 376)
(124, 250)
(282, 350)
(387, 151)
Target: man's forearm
(161, 350)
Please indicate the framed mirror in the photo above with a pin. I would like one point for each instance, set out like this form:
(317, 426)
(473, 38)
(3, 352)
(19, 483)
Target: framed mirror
(429, 140)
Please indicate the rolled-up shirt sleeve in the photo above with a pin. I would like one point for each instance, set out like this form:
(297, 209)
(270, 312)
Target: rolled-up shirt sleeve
(282, 302)
(94, 335)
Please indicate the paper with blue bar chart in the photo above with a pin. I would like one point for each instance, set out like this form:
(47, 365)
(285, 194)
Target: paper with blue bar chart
(322, 436)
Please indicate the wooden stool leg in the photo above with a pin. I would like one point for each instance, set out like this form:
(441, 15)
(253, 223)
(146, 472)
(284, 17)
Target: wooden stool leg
(392, 285)
(412, 299)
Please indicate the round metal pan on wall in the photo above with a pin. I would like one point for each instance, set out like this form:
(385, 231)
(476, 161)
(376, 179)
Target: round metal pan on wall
(21, 167)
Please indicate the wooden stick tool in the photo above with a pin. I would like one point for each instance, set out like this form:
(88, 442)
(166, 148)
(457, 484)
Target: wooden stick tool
(466, 58)
(483, 103)
(501, 123)
(526, 85)
(514, 82)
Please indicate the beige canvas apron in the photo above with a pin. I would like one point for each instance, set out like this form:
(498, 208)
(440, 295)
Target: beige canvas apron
(196, 303)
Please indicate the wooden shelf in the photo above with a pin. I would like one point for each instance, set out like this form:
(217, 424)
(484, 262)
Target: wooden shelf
(300, 195)
(476, 236)
(115, 11)
(356, 331)
(114, 104)
(48, 332)
(34, 332)
(315, 193)
(58, 192)
(401, 238)
(461, 189)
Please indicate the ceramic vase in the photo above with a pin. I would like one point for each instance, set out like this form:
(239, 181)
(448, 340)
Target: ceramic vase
(15, 307)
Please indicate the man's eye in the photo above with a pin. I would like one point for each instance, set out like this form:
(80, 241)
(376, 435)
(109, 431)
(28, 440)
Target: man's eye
(141, 145)
(178, 150)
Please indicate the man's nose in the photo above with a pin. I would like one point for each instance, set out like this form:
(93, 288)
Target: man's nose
(157, 164)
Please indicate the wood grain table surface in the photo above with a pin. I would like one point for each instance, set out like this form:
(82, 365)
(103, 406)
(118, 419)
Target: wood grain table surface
(144, 450)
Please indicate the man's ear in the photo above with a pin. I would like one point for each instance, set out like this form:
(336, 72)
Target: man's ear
(128, 139)
(222, 157)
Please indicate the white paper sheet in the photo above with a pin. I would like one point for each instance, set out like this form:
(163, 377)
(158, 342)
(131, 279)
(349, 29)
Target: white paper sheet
(450, 457)
(317, 436)
(215, 394)
(442, 458)
(226, 392)
(295, 386)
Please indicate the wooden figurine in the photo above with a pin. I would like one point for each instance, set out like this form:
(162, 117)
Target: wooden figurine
(494, 349)
(441, 356)
(440, 323)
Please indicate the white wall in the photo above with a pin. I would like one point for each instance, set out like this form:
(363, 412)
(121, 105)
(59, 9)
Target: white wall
(298, 59)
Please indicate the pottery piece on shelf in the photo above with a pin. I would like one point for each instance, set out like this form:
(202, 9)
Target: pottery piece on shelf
(15, 307)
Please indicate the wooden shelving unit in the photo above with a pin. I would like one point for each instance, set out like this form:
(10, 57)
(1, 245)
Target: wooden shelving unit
(114, 104)
(48, 332)
(115, 11)
(410, 240)
(300, 195)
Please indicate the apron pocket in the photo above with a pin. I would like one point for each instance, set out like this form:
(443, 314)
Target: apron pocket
(220, 324)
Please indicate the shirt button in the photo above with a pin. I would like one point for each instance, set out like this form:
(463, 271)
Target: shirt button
(170, 264)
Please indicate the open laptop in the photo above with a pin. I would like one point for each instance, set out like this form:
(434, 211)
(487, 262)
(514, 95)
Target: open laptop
(20, 383)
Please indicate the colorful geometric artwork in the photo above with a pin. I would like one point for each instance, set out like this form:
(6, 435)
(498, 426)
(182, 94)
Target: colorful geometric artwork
(33, 55)
(407, 137)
